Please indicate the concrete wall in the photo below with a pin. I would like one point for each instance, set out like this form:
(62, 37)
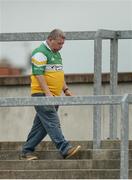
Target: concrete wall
(76, 121)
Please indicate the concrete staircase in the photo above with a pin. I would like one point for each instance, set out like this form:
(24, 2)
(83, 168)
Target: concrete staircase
(88, 164)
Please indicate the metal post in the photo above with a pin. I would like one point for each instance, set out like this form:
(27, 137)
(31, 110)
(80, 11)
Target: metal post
(97, 91)
(124, 138)
(113, 86)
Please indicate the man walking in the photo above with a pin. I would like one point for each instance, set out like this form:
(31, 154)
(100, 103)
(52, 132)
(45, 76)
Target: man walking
(47, 79)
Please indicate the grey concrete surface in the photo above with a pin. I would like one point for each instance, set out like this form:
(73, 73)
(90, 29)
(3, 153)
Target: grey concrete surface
(76, 121)
(87, 164)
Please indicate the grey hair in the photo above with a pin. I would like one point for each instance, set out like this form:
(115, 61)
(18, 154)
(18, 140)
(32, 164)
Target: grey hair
(54, 34)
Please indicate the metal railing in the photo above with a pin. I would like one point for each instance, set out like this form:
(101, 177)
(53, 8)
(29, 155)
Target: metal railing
(123, 101)
(97, 100)
(113, 36)
(98, 37)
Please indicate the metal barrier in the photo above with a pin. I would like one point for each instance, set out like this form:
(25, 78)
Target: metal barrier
(113, 36)
(123, 101)
(97, 36)
(95, 100)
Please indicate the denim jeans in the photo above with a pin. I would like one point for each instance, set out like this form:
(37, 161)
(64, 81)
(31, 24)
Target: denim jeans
(46, 122)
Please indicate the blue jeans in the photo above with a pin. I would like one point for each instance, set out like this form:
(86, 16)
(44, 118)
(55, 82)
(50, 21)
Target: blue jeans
(46, 122)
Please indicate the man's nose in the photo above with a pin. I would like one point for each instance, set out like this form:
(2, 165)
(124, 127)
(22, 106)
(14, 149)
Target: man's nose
(61, 46)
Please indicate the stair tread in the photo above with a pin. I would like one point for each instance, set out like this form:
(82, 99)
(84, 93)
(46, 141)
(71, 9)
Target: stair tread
(61, 174)
(54, 154)
(62, 170)
(61, 164)
(101, 163)
(115, 144)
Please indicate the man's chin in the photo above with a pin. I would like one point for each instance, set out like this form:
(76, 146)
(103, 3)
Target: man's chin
(55, 50)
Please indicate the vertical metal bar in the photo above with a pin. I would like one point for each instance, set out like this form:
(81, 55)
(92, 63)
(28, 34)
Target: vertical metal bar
(124, 138)
(113, 86)
(97, 91)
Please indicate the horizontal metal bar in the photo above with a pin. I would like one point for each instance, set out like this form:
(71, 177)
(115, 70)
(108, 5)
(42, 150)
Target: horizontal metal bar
(31, 36)
(40, 36)
(129, 99)
(74, 100)
(80, 35)
(124, 34)
(105, 34)
(84, 35)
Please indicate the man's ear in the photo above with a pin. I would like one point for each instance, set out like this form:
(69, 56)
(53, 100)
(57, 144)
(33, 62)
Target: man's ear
(50, 39)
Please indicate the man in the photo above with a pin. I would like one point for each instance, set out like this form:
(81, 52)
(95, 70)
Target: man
(47, 79)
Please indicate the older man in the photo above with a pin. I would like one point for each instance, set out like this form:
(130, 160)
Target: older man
(47, 79)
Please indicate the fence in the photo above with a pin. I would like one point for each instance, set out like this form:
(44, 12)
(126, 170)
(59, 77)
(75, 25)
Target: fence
(95, 100)
(123, 101)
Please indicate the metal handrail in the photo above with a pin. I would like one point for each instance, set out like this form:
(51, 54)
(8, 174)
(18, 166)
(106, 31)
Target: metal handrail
(73, 100)
(74, 35)
(124, 101)
(97, 99)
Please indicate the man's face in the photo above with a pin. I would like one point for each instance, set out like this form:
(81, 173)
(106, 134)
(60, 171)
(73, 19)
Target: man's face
(56, 44)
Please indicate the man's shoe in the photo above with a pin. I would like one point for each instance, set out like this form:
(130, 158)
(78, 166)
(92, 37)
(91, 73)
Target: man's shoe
(72, 151)
(28, 156)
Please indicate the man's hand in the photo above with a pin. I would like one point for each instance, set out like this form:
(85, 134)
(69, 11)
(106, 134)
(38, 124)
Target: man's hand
(48, 94)
(68, 92)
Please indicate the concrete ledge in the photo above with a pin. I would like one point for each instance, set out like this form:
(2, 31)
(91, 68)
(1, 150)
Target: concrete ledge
(14, 80)
(70, 78)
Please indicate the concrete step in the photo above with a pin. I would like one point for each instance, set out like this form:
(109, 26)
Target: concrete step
(60, 164)
(101, 163)
(50, 154)
(48, 145)
(54, 154)
(62, 174)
